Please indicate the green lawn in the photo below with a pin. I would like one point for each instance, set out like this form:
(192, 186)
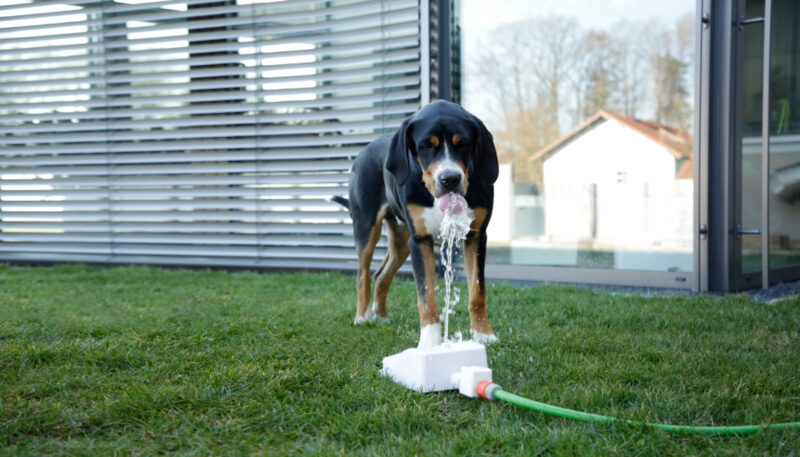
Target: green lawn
(144, 361)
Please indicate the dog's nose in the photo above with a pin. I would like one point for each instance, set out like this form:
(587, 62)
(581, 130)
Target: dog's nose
(450, 180)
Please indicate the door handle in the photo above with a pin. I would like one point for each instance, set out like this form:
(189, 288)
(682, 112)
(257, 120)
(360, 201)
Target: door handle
(743, 231)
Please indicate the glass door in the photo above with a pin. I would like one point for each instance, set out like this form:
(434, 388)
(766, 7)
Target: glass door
(592, 109)
(768, 220)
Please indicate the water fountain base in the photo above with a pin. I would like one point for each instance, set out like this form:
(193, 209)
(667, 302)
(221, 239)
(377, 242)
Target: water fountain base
(443, 367)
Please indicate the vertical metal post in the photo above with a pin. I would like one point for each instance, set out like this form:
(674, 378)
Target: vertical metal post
(443, 54)
(720, 196)
(425, 51)
(765, 147)
(701, 103)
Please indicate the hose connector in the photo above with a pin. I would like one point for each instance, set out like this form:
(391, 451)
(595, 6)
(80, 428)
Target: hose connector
(486, 389)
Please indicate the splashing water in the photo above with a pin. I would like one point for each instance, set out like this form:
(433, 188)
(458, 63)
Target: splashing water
(454, 229)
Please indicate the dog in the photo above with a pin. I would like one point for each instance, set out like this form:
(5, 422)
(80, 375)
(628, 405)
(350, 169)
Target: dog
(397, 181)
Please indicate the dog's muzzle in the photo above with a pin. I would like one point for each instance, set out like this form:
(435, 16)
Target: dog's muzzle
(449, 178)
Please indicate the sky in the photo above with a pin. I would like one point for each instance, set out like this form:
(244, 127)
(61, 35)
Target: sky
(481, 15)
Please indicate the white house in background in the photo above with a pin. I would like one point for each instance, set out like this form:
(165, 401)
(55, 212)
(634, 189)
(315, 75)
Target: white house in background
(621, 184)
(501, 229)
(609, 148)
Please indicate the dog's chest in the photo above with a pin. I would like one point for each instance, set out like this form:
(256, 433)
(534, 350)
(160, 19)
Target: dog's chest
(433, 216)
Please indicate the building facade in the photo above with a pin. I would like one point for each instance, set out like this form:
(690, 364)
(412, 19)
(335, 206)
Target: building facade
(198, 132)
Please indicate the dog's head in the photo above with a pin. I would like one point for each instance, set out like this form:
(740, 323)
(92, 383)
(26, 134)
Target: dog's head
(449, 145)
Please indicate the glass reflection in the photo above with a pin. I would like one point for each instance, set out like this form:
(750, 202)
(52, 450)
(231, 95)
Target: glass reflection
(784, 128)
(591, 107)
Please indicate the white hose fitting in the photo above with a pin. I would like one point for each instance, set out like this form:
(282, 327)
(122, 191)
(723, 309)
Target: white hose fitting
(468, 378)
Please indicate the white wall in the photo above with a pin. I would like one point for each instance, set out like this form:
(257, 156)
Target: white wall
(645, 214)
(501, 227)
(568, 211)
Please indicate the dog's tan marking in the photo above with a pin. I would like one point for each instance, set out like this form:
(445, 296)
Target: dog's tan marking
(416, 212)
(456, 140)
(364, 263)
(466, 175)
(479, 215)
(426, 299)
(427, 177)
(478, 319)
(434, 141)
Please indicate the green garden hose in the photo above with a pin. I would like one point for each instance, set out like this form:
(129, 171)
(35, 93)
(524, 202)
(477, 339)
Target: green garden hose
(492, 391)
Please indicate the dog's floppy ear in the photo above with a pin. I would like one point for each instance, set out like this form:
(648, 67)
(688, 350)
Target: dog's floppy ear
(398, 159)
(485, 158)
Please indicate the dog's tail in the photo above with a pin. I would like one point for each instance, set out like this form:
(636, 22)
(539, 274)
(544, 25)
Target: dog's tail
(342, 201)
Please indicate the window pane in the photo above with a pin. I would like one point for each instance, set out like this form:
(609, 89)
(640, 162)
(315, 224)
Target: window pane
(591, 108)
(784, 130)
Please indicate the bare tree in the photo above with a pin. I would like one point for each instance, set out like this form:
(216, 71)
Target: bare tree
(599, 77)
(633, 51)
(526, 74)
(670, 60)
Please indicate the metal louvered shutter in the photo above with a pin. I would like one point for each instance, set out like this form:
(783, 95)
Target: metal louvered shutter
(195, 132)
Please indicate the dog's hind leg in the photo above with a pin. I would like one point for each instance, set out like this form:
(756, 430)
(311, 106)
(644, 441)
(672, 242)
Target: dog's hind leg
(367, 232)
(395, 257)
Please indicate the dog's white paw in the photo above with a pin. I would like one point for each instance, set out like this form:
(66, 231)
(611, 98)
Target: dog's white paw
(370, 315)
(483, 338)
(430, 336)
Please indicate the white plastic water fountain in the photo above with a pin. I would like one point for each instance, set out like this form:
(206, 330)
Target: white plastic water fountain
(453, 364)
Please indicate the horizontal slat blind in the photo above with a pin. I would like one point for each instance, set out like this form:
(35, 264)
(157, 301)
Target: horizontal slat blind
(194, 132)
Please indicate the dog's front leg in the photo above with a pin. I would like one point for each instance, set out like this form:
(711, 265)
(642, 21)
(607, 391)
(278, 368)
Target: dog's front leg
(474, 264)
(424, 264)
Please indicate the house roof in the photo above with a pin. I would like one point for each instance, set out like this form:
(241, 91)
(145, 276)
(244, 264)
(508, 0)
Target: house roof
(677, 141)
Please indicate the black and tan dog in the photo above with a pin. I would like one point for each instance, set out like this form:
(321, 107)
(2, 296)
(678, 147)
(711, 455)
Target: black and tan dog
(398, 180)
